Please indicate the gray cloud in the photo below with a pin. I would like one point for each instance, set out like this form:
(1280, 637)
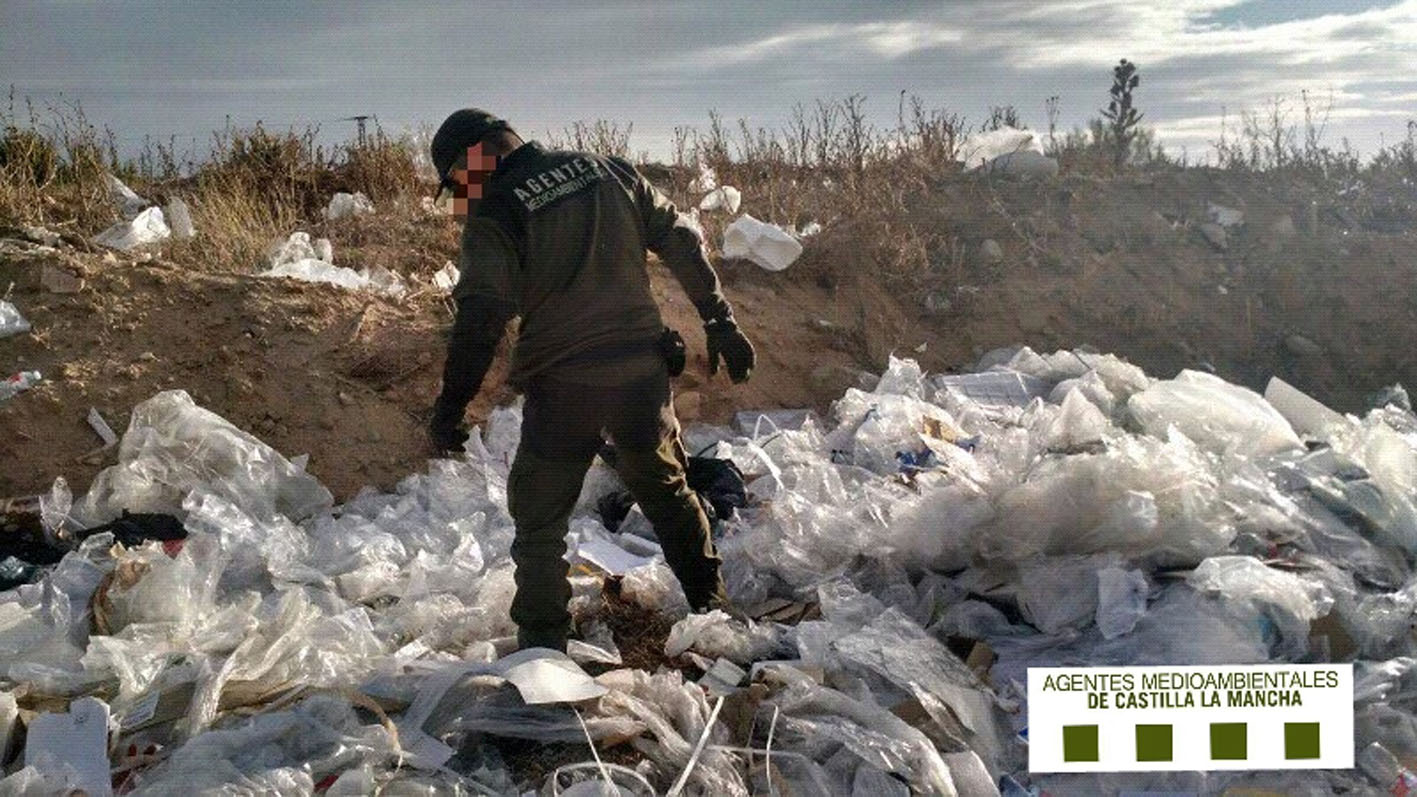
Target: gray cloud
(165, 67)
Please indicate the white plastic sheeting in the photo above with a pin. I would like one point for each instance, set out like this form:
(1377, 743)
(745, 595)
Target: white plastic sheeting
(343, 205)
(725, 198)
(981, 148)
(147, 227)
(1087, 514)
(179, 218)
(768, 245)
(298, 258)
(128, 202)
(11, 321)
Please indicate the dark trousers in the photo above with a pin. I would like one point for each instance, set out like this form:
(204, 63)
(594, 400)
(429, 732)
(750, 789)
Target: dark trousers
(563, 426)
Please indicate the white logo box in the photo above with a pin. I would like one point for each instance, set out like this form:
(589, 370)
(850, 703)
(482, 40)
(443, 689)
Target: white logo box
(1277, 703)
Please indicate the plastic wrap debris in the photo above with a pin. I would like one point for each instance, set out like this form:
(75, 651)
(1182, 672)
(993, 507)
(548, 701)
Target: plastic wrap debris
(768, 245)
(18, 383)
(11, 322)
(1121, 600)
(179, 218)
(716, 635)
(918, 519)
(1307, 416)
(981, 148)
(447, 277)
(298, 259)
(343, 205)
(1225, 217)
(1001, 388)
(173, 447)
(725, 198)
(101, 428)
(1246, 578)
(1217, 415)
(148, 227)
(129, 203)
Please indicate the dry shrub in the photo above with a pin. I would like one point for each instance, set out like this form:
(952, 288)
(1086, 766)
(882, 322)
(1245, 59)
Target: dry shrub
(53, 166)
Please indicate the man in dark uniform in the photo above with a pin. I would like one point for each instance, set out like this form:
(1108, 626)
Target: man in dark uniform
(559, 239)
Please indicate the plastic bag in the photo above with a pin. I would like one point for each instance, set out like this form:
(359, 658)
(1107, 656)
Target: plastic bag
(768, 245)
(715, 635)
(180, 219)
(983, 147)
(1291, 601)
(1061, 592)
(129, 203)
(725, 198)
(172, 447)
(377, 279)
(1139, 497)
(343, 205)
(1025, 164)
(148, 227)
(1217, 415)
(11, 322)
(706, 180)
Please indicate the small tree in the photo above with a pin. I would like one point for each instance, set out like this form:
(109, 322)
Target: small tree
(1122, 118)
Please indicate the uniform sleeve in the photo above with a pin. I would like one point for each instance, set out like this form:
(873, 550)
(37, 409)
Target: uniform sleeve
(678, 241)
(485, 296)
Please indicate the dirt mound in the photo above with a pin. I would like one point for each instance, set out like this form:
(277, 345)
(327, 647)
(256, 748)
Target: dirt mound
(1304, 288)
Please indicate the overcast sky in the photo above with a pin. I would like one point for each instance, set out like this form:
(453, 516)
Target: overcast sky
(181, 68)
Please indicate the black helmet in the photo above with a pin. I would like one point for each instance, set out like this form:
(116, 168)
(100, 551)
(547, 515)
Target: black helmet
(458, 132)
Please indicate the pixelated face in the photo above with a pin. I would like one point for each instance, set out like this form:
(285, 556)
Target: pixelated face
(468, 176)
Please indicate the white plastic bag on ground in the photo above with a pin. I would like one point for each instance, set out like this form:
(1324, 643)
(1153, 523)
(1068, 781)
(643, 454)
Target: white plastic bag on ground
(129, 203)
(1218, 416)
(725, 198)
(1024, 165)
(343, 205)
(768, 245)
(148, 227)
(298, 258)
(11, 322)
(981, 148)
(180, 219)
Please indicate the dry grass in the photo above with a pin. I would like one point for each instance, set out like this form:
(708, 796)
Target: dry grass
(254, 187)
(828, 164)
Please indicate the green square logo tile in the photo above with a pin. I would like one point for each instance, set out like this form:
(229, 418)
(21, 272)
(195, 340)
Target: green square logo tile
(1301, 740)
(1080, 743)
(1228, 741)
(1153, 742)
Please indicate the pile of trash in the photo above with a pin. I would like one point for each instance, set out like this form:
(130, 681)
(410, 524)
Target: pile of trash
(143, 222)
(905, 560)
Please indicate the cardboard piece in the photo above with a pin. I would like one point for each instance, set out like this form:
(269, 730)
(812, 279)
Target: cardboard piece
(78, 739)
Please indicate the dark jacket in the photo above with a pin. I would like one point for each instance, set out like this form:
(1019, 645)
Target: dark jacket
(559, 239)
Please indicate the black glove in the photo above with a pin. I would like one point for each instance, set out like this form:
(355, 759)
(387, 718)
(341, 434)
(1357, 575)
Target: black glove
(726, 340)
(445, 430)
